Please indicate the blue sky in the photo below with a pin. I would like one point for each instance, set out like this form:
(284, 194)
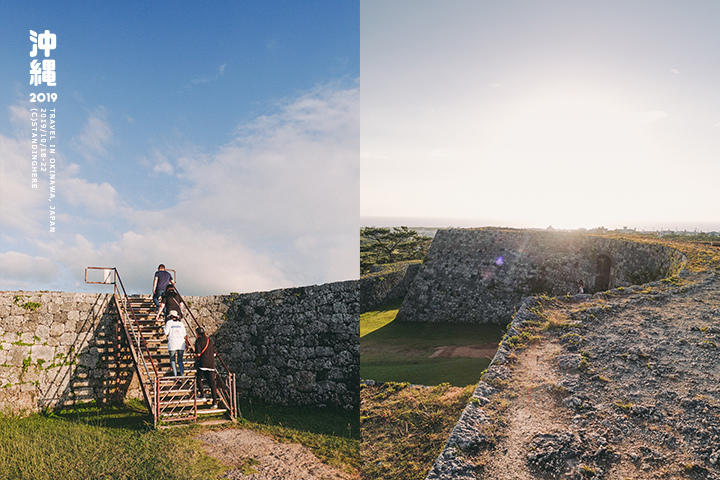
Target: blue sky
(535, 114)
(220, 139)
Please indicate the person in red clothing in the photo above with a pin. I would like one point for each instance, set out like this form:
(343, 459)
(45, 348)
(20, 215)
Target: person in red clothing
(205, 355)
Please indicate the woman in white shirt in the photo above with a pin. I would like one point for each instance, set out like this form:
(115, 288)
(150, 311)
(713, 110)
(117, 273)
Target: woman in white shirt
(177, 341)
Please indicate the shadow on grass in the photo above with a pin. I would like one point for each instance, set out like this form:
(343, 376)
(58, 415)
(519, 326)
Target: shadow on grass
(458, 372)
(323, 421)
(133, 415)
(431, 335)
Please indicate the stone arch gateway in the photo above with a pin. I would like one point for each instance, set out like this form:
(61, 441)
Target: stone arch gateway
(602, 273)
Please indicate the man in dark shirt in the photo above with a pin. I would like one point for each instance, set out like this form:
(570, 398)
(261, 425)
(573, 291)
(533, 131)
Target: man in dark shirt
(160, 282)
(205, 354)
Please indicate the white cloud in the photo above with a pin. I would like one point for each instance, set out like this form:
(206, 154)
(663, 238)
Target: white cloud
(23, 272)
(675, 71)
(276, 177)
(207, 262)
(442, 153)
(159, 163)
(164, 167)
(208, 78)
(276, 207)
(96, 134)
(19, 202)
(375, 155)
(290, 175)
(98, 198)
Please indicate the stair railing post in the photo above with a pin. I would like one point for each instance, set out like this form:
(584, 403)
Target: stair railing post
(157, 400)
(195, 406)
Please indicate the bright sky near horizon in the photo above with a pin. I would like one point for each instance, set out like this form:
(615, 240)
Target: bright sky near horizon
(220, 139)
(535, 114)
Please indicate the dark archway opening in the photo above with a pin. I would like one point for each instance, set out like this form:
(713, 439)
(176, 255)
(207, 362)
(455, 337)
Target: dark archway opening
(602, 273)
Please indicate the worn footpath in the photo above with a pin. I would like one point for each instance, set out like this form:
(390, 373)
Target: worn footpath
(271, 460)
(619, 385)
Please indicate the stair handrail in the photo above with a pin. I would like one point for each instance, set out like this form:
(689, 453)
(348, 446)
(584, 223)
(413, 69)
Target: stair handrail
(127, 305)
(122, 302)
(197, 324)
(231, 376)
(124, 297)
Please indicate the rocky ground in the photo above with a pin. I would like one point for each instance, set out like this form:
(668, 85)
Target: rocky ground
(619, 385)
(271, 460)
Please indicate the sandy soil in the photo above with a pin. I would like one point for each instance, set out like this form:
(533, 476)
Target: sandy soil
(483, 350)
(277, 461)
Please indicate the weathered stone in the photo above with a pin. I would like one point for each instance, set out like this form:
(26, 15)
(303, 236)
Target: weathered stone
(482, 275)
(42, 353)
(292, 346)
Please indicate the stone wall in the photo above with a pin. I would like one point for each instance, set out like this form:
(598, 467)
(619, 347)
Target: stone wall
(386, 283)
(482, 275)
(56, 349)
(297, 346)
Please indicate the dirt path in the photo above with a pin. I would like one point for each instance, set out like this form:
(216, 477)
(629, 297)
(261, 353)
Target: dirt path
(482, 350)
(276, 461)
(624, 385)
(533, 412)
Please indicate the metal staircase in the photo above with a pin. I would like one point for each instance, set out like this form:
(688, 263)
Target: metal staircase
(168, 398)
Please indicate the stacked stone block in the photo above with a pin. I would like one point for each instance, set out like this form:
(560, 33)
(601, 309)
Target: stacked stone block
(386, 283)
(297, 346)
(482, 275)
(54, 349)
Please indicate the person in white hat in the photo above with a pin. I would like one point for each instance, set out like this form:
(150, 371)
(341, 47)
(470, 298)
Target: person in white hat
(177, 342)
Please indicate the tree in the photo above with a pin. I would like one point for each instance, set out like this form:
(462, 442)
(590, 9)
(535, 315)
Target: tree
(389, 245)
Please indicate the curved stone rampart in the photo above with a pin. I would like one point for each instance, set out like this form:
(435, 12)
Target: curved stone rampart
(482, 275)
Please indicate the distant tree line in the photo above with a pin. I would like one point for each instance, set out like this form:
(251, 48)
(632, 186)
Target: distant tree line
(380, 245)
(692, 237)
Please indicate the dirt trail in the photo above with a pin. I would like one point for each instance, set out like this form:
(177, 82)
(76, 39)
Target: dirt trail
(277, 461)
(481, 350)
(533, 412)
(626, 387)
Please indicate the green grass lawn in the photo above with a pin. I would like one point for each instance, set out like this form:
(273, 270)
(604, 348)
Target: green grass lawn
(371, 321)
(93, 442)
(399, 351)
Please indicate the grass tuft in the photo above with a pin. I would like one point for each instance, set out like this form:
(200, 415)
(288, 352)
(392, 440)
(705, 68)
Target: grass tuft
(405, 428)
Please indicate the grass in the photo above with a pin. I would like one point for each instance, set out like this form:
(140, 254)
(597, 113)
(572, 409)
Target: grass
(400, 351)
(376, 319)
(50, 447)
(457, 372)
(93, 442)
(405, 428)
(332, 434)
